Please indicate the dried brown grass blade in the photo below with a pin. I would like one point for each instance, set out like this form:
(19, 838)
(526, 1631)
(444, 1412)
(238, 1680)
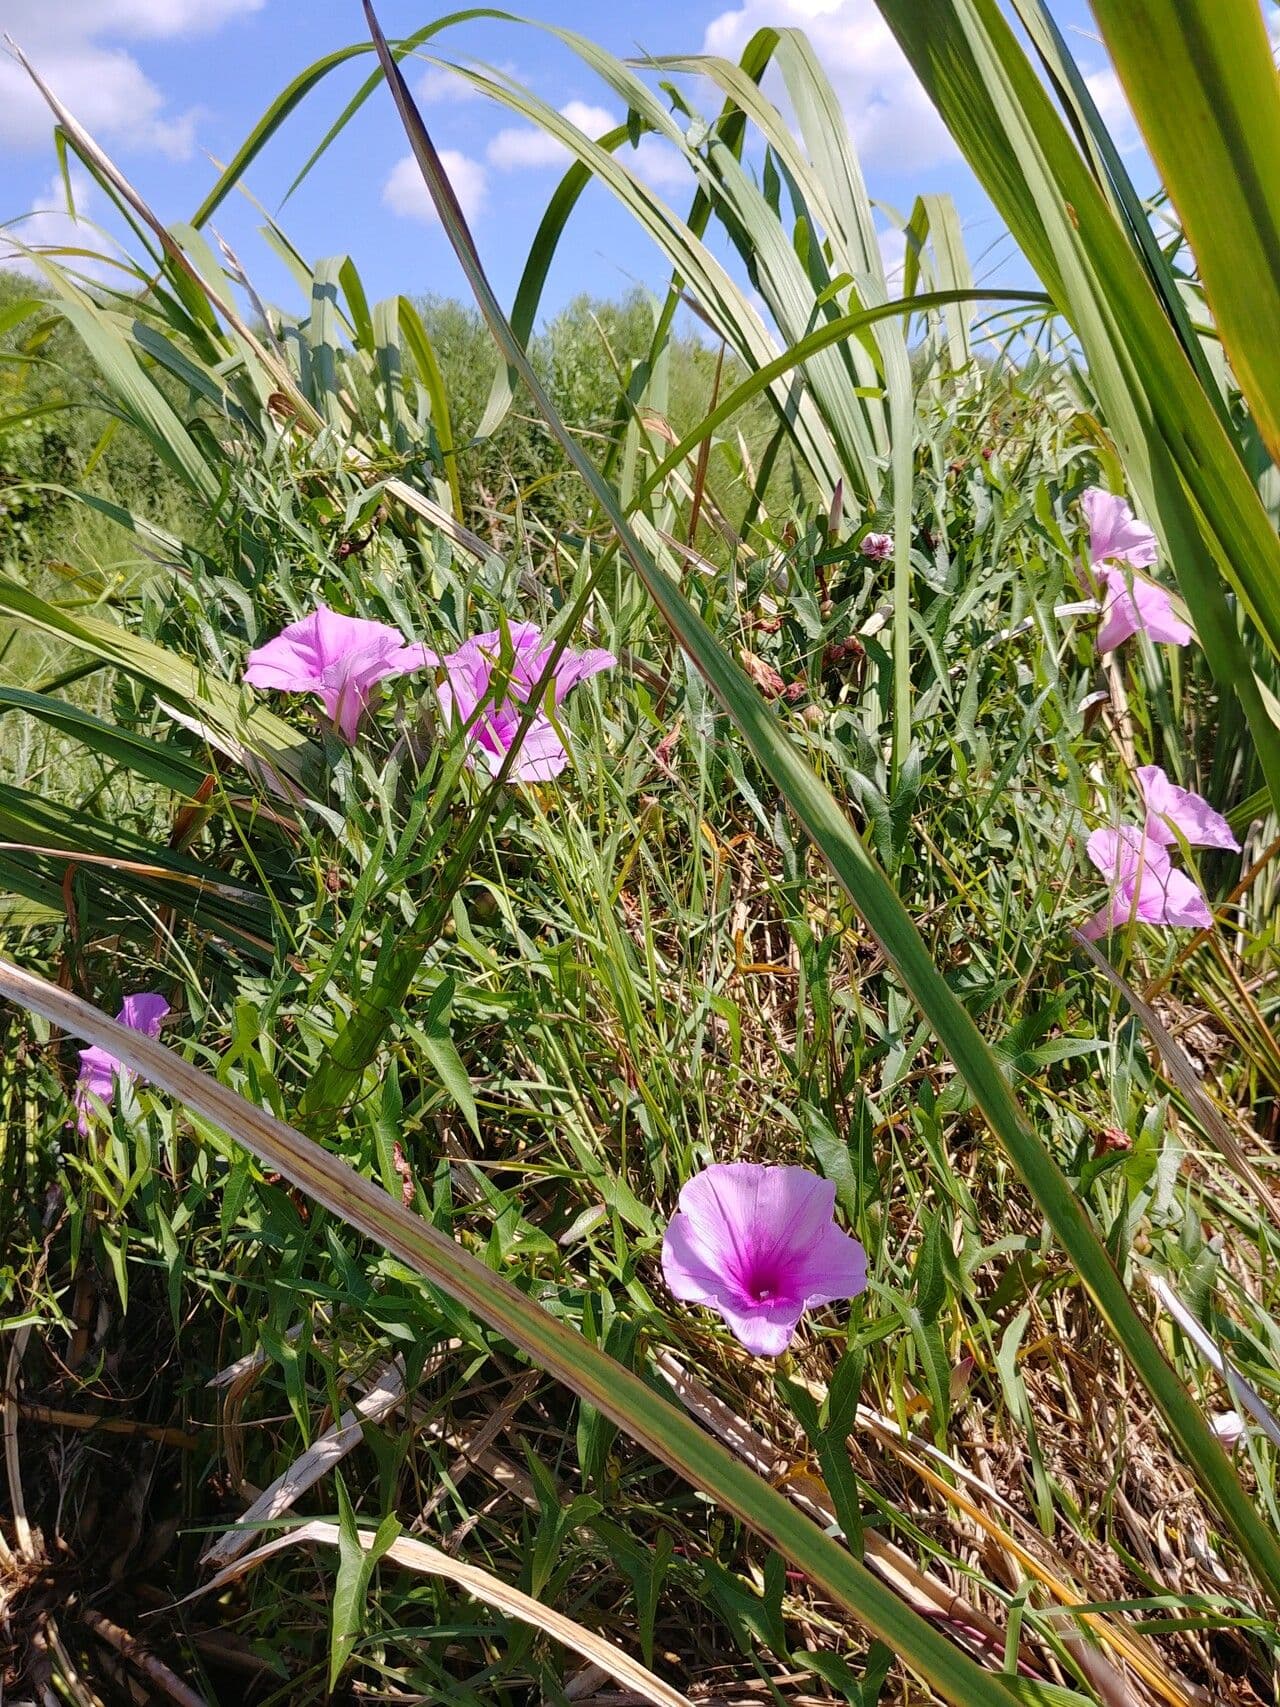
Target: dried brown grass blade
(915, 1586)
(1184, 1075)
(319, 1458)
(430, 1561)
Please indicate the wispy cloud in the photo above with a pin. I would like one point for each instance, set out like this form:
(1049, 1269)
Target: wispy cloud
(75, 45)
(406, 195)
(50, 223)
(525, 146)
(892, 120)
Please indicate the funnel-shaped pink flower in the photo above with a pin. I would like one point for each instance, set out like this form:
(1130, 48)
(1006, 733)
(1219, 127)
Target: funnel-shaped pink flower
(478, 673)
(99, 1070)
(1145, 887)
(1134, 605)
(1172, 809)
(759, 1245)
(1115, 533)
(338, 658)
(877, 545)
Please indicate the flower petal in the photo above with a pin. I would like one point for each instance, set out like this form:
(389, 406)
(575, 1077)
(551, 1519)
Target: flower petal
(1156, 616)
(1177, 901)
(1119, 615)
(759, 1245)
(143, 1012)
(1174, 811)
(834, 1266)
(1115, 533)
(1120, 853)
(693, 1264)
(720, 1206)
(99, 1069)
(766, 1330)
(338, 658)
(542, 754)
(575, 667)
(285, 663)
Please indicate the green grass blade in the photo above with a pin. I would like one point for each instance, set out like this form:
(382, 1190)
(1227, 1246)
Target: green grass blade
(848, 325)
(44, 843)
(831, 833)
(1185, 470)
(415, 336)
(1206, 94)
(1077, 98)
(642, 1411)
(257, 738)
(160, 763)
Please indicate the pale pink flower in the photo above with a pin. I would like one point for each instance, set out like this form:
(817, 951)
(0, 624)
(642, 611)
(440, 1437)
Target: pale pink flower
(1134, 605)
(760, 1245)
(1115, 533)
(479, 674)
(338, 658)
(877, 545)
(1119, 544)
(100, 1070)
(1174, 812)
(1145, 887)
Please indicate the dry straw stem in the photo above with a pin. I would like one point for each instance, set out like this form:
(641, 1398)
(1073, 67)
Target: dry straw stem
(319, 1458)
(164, 1680)
(430, 1561)
(894, 1565)
(1243, 1395)
(1184, 1075)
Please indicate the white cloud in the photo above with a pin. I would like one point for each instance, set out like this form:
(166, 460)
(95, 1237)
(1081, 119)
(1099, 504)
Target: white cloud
(74, 45)
(893, 255)
(440, 87)
(49, 223)
(525, 147)
(892, 120)
(407, 195)
(520, 147)
(1113, 104)
(660, 165)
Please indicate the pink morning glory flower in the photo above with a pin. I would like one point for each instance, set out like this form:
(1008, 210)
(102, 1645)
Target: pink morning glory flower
(99, 1070)
(1119, 544)
(1170, 809)
(760, 1245)
(877, 545)
(478, 673)
(1146, 888)
(338, 658)
(1133, 605)
(1115, 533)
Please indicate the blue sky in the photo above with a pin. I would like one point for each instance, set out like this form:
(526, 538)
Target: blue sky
(167, 86)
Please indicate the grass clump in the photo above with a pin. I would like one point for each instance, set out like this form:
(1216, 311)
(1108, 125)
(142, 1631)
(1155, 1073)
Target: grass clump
(557, 1001)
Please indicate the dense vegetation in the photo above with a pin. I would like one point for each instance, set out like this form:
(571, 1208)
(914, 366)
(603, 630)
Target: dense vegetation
(385, 1228)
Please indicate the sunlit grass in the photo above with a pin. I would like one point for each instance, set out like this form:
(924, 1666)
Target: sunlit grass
(642, 968)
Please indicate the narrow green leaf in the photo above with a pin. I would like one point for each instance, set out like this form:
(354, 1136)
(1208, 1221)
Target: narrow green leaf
(266, 744)
(639, 1410)
(1204, 88)
(832, 834)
